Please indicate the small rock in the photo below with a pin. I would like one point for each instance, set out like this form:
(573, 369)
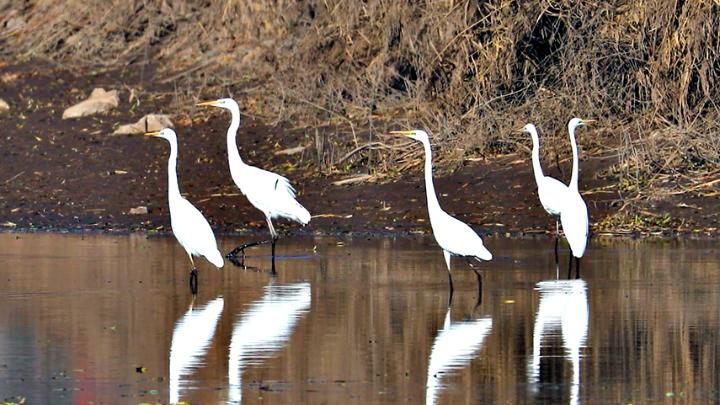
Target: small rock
(100, 101)
(73, 40)
(8, 77)
(4, 106)
(14, 22)
(141, 210)
(150, 122)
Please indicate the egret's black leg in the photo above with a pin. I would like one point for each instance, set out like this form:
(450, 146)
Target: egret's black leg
(577, 267)
(557, 240)
(448, 256)
(451, 288)
(274, 239)
(570, 261)
(232, 256)
(194, 281)
(479, 277)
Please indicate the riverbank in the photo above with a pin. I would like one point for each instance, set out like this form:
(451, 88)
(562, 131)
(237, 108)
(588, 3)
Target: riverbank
(61, 175)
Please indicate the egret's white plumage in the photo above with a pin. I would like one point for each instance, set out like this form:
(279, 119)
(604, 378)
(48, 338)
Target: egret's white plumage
(189, 226)
(552, 192)
(269, 192)
(454, 237)
(574, 216)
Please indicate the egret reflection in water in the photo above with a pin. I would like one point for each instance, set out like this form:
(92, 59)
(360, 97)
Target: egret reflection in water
(564, 306)
(263, 329)
(454, 347)
(191, 338)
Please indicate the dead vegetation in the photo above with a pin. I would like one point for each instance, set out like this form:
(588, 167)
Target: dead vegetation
(469, 71)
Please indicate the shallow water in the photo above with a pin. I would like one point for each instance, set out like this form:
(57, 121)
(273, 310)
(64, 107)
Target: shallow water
(110, 319)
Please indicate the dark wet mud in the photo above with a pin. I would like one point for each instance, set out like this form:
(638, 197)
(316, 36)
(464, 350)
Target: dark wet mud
(109, 319)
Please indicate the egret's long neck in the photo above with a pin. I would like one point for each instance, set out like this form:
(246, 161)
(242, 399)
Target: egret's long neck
(432, 201)
(537, 169)
(173, 188)
(233, 154)
(576, 164)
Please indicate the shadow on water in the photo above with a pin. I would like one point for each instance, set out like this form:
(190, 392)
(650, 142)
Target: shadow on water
(108, 319)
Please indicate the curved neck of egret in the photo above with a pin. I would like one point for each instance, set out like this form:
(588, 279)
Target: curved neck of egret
(432, 201)
(576, 164)
(537, 169)
(233, 153)
(173, 188)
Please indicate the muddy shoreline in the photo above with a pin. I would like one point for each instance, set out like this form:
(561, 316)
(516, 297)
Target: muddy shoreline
(73, 176)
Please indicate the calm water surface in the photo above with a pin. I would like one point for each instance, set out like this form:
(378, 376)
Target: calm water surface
(110, 319)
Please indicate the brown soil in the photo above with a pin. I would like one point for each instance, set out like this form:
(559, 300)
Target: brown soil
(72, 175)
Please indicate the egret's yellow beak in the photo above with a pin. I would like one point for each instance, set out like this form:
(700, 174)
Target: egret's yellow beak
(405, 133)
(588, 121)
(207, 103)
(156, 133)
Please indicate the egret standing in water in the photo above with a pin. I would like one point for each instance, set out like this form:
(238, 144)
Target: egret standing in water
(189, 226)
(553, 194)
(454, 237)
(574, 215)
(269, 192)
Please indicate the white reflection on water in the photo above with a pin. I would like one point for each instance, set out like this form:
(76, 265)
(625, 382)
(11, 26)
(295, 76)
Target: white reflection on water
(563, 305)
(263, 329)
(454, 347)
(190, 341)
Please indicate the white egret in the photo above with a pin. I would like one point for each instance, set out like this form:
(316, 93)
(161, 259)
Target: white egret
(189, 226)
(574, 215)
(552, 192)
(269, 192)
(454, 237)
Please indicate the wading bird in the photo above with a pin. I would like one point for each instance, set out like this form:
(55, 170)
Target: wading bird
(454, 237)
(269, 192)
(552, 192)
(189, 226)
(574, 215)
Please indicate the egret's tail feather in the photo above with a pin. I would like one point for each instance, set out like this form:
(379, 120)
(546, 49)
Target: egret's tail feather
(216, 259)
(304, 215)
(297, 214)
(484, 254)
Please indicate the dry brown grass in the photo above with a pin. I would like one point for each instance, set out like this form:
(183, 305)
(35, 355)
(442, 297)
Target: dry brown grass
(468, 71)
